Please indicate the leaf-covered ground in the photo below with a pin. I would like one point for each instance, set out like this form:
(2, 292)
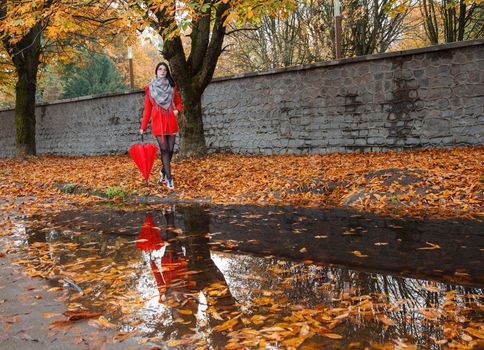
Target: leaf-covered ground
(426, 183)
(445, 182)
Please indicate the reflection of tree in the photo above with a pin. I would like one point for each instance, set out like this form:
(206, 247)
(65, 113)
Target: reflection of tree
(201, 301)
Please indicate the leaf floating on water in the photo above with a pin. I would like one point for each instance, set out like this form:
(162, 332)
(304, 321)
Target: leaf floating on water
(475, 332)
(349, 233)
(185, 311)
(294, 342)
(402, 345)
(320, 237)
(60, 324)
(430, 314)
(101, 323)
(386, 321)
(141, 240)
(122, 336)
(303, 250)
(332, 335)
(380, 243)
(226, 325)
(75, 315)
(359, 254)
(439, 342)
(258, 319)
(50, 314)
(431, 246)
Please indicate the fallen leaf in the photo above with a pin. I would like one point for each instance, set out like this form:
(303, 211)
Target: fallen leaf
(332, 335)
(75, 315)
(475, 332)
(60, 324)
(359, 254)
(101, 323)
(185, 311)
(226, 325)
(431, 246)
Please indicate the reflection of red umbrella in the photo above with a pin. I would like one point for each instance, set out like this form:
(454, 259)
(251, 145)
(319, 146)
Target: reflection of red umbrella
(149, 238)
(143, 155)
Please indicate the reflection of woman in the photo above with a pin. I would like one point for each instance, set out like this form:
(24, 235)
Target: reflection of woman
(162, 106)
(172, 264)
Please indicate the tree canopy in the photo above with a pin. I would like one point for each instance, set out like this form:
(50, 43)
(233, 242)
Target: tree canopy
(34, 32)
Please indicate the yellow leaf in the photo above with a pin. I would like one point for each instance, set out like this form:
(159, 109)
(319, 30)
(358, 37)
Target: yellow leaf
(185, 311)
(226, 325)
(431, 246)
(294, 342)
(359, 254)
(332, 335)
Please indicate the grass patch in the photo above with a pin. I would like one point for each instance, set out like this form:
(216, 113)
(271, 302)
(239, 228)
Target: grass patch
(116, 192)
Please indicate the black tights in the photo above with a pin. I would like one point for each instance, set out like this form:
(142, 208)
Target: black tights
(166, 152)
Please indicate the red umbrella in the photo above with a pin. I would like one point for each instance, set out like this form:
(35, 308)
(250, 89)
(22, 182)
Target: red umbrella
(149, 238)
(143, 155)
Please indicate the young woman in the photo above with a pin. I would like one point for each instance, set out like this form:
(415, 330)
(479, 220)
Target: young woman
(162, 106)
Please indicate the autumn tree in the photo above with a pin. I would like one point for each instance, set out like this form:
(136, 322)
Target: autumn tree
(452, 20)
(298, 38)
(7, 79)
(307, 34)
(204, 24)
(32, 32)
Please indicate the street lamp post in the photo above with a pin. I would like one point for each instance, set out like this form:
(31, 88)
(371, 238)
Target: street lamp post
(131, 74)
(337, 20)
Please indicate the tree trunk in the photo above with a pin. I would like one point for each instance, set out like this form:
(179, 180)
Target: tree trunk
(192, 137)
(25, 110)
(26, 57)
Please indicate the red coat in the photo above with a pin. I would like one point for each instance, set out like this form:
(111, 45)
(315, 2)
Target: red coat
(163, 122)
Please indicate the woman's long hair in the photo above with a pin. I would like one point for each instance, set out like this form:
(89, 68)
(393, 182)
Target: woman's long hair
(168, 74)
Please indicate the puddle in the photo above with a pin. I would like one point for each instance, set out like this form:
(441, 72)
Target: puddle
(260, 277)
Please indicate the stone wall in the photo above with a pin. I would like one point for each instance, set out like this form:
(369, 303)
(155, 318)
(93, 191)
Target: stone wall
(89, 125)
(429, 97)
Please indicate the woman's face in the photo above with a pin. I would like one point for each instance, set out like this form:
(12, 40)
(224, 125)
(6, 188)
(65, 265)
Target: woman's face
(161, 72)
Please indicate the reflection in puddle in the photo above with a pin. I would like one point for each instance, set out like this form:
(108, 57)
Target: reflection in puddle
(169, 276)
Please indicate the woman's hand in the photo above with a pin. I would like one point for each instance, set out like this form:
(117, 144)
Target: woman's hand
(176, 112)
(141, 131)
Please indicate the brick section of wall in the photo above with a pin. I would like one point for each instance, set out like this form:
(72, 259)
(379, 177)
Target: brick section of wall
(429, 97)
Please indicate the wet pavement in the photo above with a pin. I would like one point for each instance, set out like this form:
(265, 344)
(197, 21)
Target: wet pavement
(261, 277)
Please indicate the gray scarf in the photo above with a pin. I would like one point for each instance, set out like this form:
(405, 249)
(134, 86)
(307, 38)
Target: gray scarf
(161, 91)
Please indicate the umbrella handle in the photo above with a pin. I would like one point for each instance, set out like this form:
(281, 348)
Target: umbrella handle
(142, 138)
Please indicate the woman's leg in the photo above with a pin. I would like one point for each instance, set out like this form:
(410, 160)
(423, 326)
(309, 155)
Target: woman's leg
(166, 150)
(165, 155)
(171, 145)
